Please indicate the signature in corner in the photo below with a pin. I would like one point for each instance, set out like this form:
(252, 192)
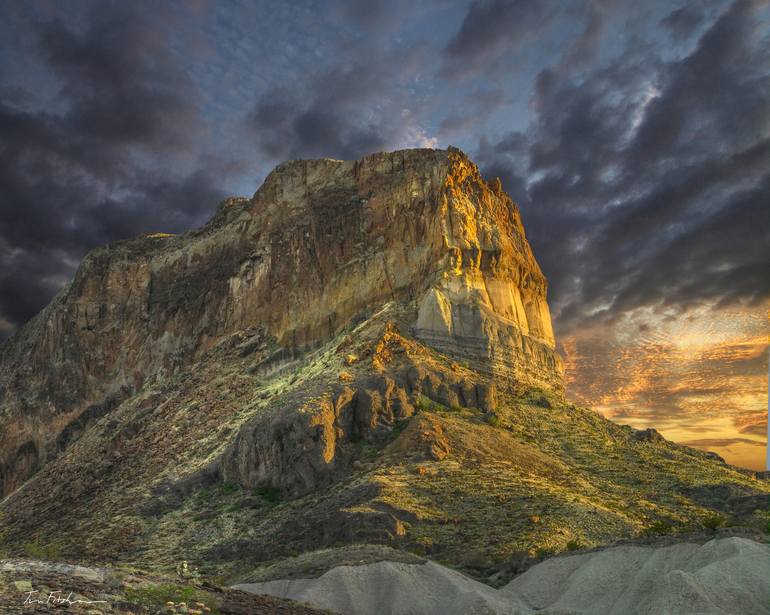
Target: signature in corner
(56, 598)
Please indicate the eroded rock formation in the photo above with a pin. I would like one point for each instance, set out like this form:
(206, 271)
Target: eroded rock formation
(360, 353)
(322, 243)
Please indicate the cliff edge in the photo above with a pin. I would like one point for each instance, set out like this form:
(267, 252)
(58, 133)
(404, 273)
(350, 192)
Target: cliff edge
(321, 243)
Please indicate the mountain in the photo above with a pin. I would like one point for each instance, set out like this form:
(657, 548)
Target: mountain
(361, 353)
(320, 245)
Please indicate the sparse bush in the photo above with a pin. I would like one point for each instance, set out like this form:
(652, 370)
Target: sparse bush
(185, 571)
(426, 404)
(424, 545)
(228, 488)
(543, 402)
(423, 404)
(658, 528)
(712, 522)
(368, 451)
(574, 545)
(203, 496)
(396, 429)
(154, 596)
(494, 420)
(39, 549)
(543, 552)
(270, 494)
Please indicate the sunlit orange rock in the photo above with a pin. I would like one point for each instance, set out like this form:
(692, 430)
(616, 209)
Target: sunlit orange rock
(321, 243)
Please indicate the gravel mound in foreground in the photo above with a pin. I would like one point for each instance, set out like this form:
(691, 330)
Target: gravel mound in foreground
(721, 577)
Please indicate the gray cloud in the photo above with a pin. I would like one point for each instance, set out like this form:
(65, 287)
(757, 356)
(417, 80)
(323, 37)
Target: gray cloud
(645, 183)
(102, 165)
(490, 29)
(346, 112)
(641, 171)
(683, 21)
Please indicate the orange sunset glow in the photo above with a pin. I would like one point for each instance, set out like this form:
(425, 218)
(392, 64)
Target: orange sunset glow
(700, 378)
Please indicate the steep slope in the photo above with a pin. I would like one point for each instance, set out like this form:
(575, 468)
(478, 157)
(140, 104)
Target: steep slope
(323, 242)
(361, 353)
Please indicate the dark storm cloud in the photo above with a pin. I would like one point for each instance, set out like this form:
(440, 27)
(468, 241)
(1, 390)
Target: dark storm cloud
(287, 126)
(640, 163)
(583, 49)
(371, 14)
(507, 159)
(490, 29)
(19, 265)
(716, 97)
(346, 112)
(285, 130)
(646, 182)
(122, 83)
(683, 21)
(455, 123)
(98, 165)
(486, 100)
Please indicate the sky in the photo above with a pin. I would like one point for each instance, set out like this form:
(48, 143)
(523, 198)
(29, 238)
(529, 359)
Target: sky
(635, 137)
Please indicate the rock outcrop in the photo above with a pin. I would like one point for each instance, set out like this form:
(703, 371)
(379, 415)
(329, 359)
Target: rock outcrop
(322, 243)
(307, 444)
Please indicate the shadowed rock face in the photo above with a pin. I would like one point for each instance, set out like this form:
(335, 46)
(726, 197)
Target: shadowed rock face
(321, 243)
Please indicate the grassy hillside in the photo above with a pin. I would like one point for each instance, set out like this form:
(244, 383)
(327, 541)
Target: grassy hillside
(528, 475)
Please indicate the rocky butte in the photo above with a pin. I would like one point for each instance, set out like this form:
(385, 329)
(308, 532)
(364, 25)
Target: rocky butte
(320, 245)
(361, 353)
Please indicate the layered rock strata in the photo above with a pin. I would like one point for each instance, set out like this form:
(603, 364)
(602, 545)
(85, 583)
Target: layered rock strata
(321, 244)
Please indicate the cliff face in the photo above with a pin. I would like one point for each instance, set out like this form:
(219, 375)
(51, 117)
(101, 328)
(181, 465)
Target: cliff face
(322, 243)
(361, 353)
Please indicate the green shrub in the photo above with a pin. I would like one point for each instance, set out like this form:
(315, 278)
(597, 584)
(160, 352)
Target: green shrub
(712, 522)
(228, 488)
(495, 420)
(657, 528)
(424, 545)
(268, 493)
(574, 545)
(203, 496)
(424, 404)
(38, 549)
(368, 451)
(186, 571)
(543, 552)
(154, 596)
